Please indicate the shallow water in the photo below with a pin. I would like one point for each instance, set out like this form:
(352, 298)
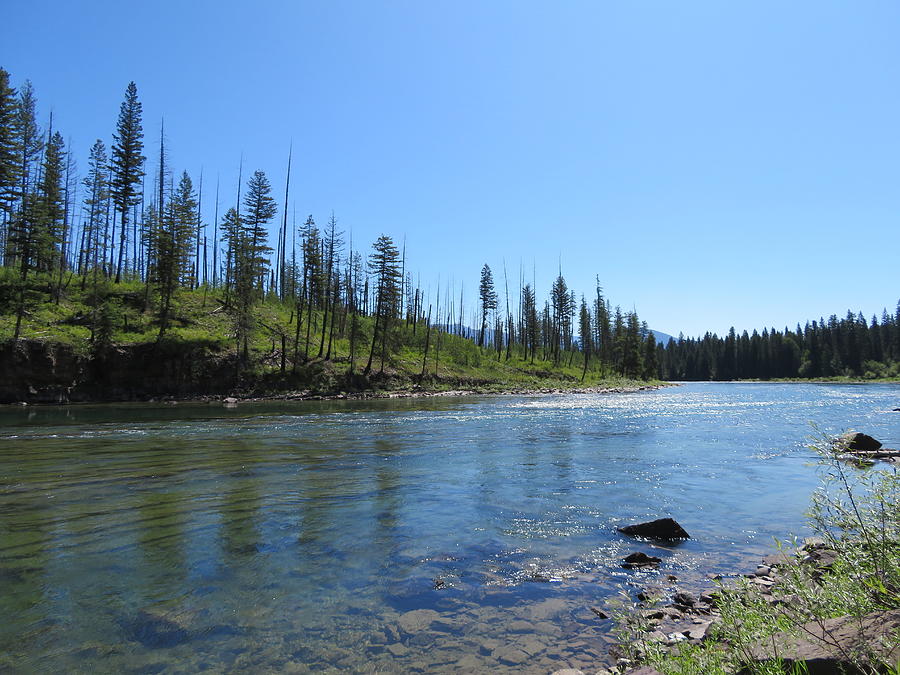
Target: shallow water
(311, 535)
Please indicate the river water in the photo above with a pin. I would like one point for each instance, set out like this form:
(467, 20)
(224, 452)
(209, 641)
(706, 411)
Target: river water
(414, 535)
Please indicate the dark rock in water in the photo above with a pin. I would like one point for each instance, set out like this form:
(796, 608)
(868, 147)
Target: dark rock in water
(600, 613)
(854, 440)
(826, 646)
(641, 560)
(154, 630)
(683, 599)
(665, 529)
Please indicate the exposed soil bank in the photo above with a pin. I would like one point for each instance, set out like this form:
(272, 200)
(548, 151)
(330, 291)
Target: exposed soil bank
(36, 372)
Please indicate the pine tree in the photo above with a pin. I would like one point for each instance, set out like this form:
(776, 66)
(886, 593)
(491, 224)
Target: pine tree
(603, 343)
(530, 321)
(333, 244)
(28, 146)
(47, 234)
(560, 321)
(9, 168)
(651, 362)
(241, 279)
(127, 165)
(384, 263)
(488, 299)
(232, 235)
(173, 242)
(586, 331)
(311, 292)
(259, 209)
(29, 140)
(632, 359)
(96, 194)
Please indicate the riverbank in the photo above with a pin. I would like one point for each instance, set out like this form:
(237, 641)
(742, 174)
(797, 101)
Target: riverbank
(50, 372)
(107, 343)
(492, 389)
(829, 604)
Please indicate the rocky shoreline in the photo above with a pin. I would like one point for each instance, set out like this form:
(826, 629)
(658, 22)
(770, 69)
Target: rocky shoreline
(829, 605)
(679, 617)
(417, 392)
(38, 372)
(372, 394)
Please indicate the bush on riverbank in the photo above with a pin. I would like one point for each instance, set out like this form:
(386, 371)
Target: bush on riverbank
(834, 605)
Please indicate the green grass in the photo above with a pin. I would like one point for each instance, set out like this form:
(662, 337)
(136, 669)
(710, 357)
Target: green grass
(201, 321)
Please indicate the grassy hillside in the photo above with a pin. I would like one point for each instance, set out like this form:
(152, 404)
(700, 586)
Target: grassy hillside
(121, 319)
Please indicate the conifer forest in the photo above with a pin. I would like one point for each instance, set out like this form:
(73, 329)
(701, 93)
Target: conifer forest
(118, 253)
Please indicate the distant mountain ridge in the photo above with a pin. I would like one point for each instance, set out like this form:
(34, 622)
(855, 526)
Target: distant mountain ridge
(662, 338)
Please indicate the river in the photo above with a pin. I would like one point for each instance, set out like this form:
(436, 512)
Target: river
(403, 535)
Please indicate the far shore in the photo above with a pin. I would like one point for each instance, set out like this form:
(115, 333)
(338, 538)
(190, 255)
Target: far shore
(491, 389)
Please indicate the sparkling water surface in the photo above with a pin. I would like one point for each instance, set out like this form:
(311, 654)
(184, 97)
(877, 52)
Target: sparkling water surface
(405, 535)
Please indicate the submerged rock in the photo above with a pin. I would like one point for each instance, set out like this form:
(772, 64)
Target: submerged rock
(156, 630)
(417, 620)
(641, 560)
(665, 529)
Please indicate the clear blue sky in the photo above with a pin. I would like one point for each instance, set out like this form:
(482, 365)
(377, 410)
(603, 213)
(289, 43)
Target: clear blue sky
(716, 163)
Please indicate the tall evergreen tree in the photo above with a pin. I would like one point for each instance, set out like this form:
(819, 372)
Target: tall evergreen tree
(232, 235)
(488, 297)
(384, 263)
(587, 333)
(632, 358)
(651, 360)
(560, 319)
(313, 281)
(127, 165)
(47, 232)
(259, 209)
(174, 243)
(28, 146)
(333, 243)
(9, 167)
(96, 194)
(530, 321)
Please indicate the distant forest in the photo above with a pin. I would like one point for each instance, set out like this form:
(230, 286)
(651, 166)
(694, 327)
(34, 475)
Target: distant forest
(849, 347)
(128, 221)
